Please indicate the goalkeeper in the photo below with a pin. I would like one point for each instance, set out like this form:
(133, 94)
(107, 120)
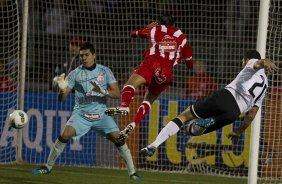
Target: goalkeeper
(92, 83)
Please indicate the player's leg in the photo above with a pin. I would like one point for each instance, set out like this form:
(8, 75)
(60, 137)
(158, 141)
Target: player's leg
(230, 113)
(106, 127)
(169, 130)
(196, 128)
(128, 90)
(221, 113)
(143, 74)
(154, 90)
(127, 95)
(221, 121)
(202, 109)
(75, 128)
(56, 150)
(199, 126)
(125, 154)
(60, 145)
(145, 106)
(142, 111)
(213, 106)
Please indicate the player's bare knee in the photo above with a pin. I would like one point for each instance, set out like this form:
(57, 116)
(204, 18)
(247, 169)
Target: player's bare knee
(186, 115)
(63, 140)
(114, 137)
(119, 143)
(150, 97)
(66, 136)
(68, 133)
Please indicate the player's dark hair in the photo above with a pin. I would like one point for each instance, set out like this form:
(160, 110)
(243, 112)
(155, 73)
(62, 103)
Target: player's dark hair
(165, 19)
(252, 54)
(86, 46)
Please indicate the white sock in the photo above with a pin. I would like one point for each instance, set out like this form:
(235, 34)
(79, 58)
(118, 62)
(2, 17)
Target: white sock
(126, 156)
(169, 130)
(55, 152)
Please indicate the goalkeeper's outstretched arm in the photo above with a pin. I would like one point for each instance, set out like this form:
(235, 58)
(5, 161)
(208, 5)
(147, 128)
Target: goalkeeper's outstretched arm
(64, 93)
(113, 90)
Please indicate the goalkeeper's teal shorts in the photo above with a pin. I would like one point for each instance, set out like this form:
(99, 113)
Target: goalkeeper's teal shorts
(84, 123)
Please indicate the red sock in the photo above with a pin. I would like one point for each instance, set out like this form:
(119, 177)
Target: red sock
(127, 95)
(143, 109)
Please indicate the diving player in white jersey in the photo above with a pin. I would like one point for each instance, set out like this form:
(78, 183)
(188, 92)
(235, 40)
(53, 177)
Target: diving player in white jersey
(92, 83)
(243, 95)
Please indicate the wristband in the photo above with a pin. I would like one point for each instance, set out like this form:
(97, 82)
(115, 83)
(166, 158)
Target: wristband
(106, 92)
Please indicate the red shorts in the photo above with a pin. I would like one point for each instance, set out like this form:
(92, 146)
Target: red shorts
(157, 72)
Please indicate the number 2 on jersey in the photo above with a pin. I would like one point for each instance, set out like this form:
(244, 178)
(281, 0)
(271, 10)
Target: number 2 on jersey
(255, 85)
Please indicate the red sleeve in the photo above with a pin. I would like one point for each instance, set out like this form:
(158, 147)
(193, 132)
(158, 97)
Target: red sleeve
(187, 55)
(142, 33)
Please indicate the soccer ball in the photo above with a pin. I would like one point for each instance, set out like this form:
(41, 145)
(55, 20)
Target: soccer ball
(18, 119)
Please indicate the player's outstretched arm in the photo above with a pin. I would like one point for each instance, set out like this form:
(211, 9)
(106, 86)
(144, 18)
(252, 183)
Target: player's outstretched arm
(113, 90)
(249, 117)
(267, 64)
(144, 32)
(141, 33)
(64, 93)
(61, 81)
(152, 24)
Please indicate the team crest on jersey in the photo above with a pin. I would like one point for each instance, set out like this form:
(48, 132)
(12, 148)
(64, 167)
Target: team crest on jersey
(159, 77)
(168, 44)
(100, 78)
(83, 74)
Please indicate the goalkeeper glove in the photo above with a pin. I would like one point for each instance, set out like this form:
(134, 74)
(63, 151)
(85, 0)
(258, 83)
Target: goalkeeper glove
(61, 81)
(98, 89)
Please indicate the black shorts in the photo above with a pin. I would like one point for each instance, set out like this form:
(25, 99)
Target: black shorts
(220, 105)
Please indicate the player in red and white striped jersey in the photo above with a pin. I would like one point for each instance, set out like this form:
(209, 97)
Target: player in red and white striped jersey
(165, 42)
(168, 47)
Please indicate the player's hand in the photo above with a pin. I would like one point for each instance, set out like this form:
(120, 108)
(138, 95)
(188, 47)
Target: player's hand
(269, 66)
(61, 81)
(153, 24)
(233, 135)
(189, 64)
(133, 33)
(98, 89)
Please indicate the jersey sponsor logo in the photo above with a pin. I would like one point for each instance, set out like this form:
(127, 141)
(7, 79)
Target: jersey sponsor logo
(92, 93)
(91, 96)
(168, 44)
(92, 116)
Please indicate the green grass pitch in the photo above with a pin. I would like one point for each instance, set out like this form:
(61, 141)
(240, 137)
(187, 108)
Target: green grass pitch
(21, 173)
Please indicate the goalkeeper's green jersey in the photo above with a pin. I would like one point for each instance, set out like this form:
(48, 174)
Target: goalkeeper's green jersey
(86, 100)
